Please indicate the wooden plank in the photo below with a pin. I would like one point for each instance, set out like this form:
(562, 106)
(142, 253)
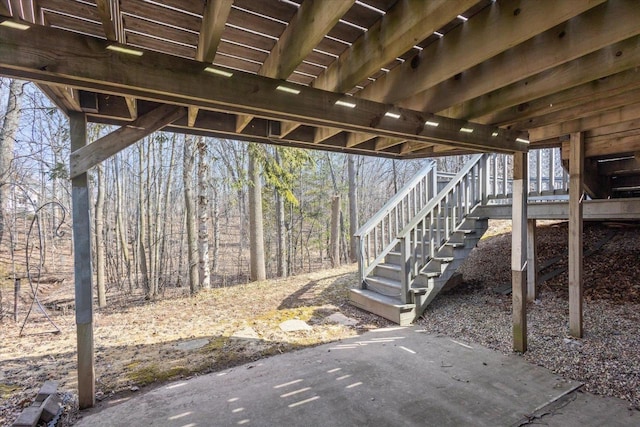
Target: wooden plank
(357, 138)
(82, 268)
(595, 106)
(617, 145)
(478, 39)
(576, 174)
(565, 99)
(519, 253)
(82, 159)
(64, 58)
(532, 261)
(618, 57)
(323, 134)
(615, 21)
(161, 14)
(628, 113)
(405, 24)
(108, 24)
(215, 16)
(305, 30)
(132, 106)
(192, 116)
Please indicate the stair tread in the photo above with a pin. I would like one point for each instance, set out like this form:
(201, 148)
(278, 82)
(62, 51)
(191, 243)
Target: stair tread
(389, 266)
(384, 281)
(428, 273)
(392, 301)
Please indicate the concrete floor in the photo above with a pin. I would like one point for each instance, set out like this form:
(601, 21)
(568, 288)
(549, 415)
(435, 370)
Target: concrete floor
(389, 377)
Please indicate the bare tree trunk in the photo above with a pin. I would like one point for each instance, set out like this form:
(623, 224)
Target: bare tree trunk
(142, 227)
(353, 208)
(190, 213)
(216, 230)
(203, 230)
(334, 244)
(8, 133)
(256, 226)
(121, 229)
(281, 251)
(99, 239)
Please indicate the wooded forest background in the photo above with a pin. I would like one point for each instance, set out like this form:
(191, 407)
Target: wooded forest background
(179, 210)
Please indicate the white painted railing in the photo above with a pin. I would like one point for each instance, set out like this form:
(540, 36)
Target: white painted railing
(376, 238)
(547, 177)
(424, 235)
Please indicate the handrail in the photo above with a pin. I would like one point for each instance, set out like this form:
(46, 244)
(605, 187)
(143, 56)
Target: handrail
(441, 195)
(422, 238)
(377, 237)
(396, 199)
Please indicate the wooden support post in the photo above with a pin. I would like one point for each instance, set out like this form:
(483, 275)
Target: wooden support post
(519, 252)
(576, 176)
(82, 269)
(532, 261)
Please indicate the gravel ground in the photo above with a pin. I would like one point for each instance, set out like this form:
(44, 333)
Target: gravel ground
(607, 359)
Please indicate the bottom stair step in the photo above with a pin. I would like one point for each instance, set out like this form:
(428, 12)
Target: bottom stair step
(388, 307)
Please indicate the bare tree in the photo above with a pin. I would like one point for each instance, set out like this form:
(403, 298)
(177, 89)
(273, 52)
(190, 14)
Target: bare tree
(353, 208)
(99, 238)
(8, 134)
(256, 226)
(190, 213)
(203, 213)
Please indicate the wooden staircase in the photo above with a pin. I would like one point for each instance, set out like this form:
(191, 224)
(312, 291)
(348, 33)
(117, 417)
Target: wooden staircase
(405, 260)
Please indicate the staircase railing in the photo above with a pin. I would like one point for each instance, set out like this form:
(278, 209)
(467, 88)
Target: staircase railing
(421, 239)
(378, 236)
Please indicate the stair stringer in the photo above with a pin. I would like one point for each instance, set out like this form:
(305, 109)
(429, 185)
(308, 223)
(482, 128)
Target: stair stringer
(427, 284)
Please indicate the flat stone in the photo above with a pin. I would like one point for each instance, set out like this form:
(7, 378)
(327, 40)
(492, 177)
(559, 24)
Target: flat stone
(246, 333)
(294, 325)
(192, 344)
(341, 319)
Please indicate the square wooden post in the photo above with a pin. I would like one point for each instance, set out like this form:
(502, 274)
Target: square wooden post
(519, 252)
(576, 178)
(82, 269)
(532, 261)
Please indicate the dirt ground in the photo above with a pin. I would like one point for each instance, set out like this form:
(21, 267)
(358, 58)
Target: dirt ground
(151, 342)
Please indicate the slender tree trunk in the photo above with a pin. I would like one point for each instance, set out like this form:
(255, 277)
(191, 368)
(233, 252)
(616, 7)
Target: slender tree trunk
(334, 244)
(190, 212)
(203, 212)
(353, 208)
(256, 226)
(8, 134)
(216, 230)
(142, 226)
(165, 260)
(100, 240)
(121, 228)
(281, 251)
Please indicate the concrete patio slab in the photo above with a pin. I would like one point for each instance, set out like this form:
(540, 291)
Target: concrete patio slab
(388, 377)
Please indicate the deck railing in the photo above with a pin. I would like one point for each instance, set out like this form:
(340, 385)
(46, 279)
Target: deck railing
(547, 177)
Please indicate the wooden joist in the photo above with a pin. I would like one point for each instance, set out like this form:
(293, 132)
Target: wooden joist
(59, 57)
